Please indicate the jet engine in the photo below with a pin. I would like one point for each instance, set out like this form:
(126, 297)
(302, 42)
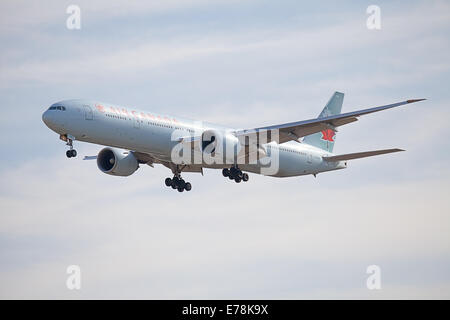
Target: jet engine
(113, 162)
(219, 147)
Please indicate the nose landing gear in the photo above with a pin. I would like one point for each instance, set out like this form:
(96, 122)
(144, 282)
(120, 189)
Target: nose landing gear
(71, 153)
(234, 173)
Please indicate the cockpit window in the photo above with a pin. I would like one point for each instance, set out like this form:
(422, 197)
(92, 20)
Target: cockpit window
(57, 108)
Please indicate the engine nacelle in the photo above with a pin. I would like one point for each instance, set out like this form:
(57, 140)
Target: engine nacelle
(112, 161)
(219, 147)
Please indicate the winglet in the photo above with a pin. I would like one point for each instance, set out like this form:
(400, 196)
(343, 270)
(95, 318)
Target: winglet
(414, 100)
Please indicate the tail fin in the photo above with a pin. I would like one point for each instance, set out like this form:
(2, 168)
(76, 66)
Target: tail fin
(325, 139)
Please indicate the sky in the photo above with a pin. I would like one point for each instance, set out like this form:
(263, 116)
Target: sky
(244, 64)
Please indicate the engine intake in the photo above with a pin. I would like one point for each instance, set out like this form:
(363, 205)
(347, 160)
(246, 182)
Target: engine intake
(113, 162)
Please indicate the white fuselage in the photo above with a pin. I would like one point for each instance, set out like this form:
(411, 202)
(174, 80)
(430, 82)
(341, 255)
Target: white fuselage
(153, 134)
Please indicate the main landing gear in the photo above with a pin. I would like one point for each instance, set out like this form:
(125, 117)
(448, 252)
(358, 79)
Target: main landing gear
(71, 153)
(234, 173)
(178, 183)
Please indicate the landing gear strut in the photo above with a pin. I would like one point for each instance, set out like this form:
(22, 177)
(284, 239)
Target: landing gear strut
(234, 173)
(178, 183)
(71, 153)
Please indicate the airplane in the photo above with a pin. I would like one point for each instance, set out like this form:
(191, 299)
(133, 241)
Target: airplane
(182, 145)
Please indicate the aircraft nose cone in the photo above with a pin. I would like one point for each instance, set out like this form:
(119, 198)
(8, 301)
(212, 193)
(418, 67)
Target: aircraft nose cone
(49, 120)
(45, 117)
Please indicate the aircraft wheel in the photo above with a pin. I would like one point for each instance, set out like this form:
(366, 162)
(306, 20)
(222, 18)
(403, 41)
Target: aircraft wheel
(69, 154)
(188, 186)
(230, 177)
(225, 172)
(73, 153)
(245, 177)
(180, 189)
(237, 179)
(175, 182)
(168, 182)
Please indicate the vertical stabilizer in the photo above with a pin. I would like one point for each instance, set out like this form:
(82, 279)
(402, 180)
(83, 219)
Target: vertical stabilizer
(326, 138)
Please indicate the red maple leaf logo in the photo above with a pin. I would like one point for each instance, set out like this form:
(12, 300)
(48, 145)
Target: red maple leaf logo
(100, 108)
(328, 135)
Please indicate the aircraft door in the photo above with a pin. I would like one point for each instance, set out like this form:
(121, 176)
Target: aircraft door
(88, 114)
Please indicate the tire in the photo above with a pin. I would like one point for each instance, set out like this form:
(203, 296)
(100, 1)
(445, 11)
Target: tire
(245, 177)
(168, 182)
(237, 179)
(188, 186)
(225, 172)
(230, 177)
(175, 181)
(181, 183)
(180, 189)
(68, 154)
(73, 153)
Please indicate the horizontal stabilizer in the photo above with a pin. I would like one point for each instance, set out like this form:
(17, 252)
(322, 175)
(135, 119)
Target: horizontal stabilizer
(357, 155)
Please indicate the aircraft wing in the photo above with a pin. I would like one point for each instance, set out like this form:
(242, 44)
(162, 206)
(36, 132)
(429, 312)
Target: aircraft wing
(358, 155)
(295, 130)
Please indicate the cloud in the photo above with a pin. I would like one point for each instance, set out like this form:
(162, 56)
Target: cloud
(269, 238)
(21, 14)
(163, 244)
(99, 61)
